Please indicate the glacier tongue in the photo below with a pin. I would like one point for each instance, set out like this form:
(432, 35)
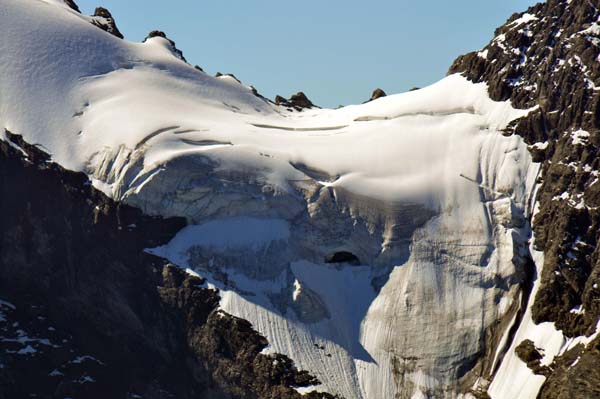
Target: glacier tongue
(419, 192)
(439, 237)
(413, 318)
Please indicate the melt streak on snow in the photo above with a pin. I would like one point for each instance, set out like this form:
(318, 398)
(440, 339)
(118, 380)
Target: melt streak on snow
(422, 187)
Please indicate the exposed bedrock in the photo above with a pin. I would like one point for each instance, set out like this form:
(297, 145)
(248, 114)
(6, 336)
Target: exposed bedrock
(103, 19)
(548, 57)
(298, 101)
(377, 93)
(72, 5)
(86, 313)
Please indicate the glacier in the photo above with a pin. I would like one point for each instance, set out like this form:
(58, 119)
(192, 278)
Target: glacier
(422, 188)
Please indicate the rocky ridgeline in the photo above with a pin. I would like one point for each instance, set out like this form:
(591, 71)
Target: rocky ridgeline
(548, 58)
(103, 19)
(86, 313)
(297, 101)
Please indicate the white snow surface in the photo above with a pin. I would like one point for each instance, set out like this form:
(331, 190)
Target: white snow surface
(513, 378)
(421, 186)
(580, 137)
(94, 93)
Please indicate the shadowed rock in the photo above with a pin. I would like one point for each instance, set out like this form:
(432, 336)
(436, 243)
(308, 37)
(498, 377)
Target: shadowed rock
(377, 93)
(72, 5)
(106, 319)
(298, 101)
(105, 21)
(220, 75)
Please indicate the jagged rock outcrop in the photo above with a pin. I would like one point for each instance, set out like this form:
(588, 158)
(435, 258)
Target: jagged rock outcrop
(104, 20)
(575, 374)
(232, 76)
(297, 101)
(547, 58)
(377, 93)
(157, 33)
(86, 313)
(72, 5)
(527, 352)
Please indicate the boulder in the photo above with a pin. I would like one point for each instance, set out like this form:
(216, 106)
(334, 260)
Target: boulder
(377, 93)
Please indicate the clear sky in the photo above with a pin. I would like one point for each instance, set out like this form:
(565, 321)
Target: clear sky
(336, 51)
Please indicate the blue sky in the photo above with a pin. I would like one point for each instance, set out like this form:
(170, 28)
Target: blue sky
(335, 51)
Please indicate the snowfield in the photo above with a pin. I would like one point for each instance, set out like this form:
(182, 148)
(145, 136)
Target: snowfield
(421, 187)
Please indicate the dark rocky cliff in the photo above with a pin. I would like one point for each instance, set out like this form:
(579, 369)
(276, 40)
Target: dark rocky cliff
(86, 313)
(548, 58)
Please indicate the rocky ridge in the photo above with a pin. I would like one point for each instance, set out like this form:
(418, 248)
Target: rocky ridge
(84, 320)
(547, 58)
(103, 19)
(297, 101)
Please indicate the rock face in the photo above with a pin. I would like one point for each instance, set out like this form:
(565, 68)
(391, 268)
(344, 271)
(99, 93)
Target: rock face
(72, 5)
(86, 313)
(377, 93)
(548, 58)
(575, 374)
(103, 19)
(298, 101)
(527, 352)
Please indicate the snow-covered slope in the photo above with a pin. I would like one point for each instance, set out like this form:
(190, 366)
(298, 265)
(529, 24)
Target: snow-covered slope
(422, 188)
